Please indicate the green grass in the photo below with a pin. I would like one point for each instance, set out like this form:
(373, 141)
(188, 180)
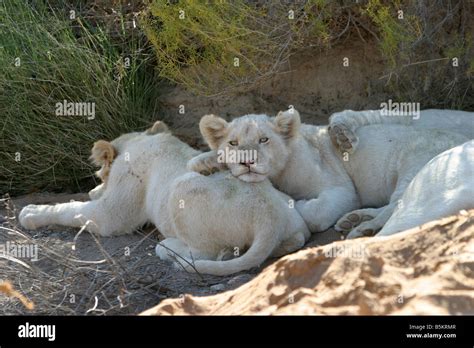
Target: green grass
(61, 59)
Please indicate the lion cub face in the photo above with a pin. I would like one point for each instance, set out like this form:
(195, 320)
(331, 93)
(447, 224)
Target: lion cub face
(254, 147)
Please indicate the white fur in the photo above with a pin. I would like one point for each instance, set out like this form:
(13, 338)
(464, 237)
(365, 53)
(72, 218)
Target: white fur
(387, 159)
(443, 187)
(219, 212)
(461, 122)
(355, 125)
(200, 216)
(301, 161)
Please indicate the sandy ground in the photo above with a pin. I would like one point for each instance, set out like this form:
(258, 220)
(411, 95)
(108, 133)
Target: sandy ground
(428, 270)
(78, 274)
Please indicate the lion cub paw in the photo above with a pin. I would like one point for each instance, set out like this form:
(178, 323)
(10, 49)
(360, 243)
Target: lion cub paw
(360, 223)
(29, 217)
(365, 229)
(351, 220)
(205, 164)
(343, 137)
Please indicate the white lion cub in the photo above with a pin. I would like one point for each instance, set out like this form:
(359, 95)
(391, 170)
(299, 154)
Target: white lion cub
(146, 180)
(443, 187)
(216, 213)
(301, 161)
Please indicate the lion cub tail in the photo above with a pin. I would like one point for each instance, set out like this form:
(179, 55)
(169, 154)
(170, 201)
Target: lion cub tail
(258, 252)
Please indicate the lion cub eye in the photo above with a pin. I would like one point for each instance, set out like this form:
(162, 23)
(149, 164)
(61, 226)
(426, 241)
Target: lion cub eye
(263, 140)
(233, 142)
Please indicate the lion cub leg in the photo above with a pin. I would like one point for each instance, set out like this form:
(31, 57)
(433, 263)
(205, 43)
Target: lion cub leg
(206, 163)
(370, 227)
(343, 126)
(323, 212)
(74, 214)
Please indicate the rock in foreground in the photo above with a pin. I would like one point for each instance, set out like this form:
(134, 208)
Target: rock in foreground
(426, 270)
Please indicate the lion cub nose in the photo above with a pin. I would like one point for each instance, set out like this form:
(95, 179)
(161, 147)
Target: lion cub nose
(247, 163)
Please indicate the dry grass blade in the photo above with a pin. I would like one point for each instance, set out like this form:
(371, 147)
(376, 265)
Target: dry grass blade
(7, 288)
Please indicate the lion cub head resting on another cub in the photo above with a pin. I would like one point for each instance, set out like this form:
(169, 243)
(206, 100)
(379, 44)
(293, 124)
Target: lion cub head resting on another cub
(268, 137)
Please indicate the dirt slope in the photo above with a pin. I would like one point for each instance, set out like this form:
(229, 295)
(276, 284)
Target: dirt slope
(315, 82)
(426, 270)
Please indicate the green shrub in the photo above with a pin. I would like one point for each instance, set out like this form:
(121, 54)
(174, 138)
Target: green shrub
(197, 42)
(394, 32)
(47, 58)
(216, 47)
(428, 51)
(194, 40)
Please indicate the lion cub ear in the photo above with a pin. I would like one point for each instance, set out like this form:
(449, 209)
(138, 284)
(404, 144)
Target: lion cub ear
(103, 153)
(213, 129)
(288, 123)
(158, 127)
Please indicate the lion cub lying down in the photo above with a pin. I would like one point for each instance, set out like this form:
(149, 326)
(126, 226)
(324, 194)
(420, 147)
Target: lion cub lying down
(302, 161)
(145, 180)
(443, 187)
